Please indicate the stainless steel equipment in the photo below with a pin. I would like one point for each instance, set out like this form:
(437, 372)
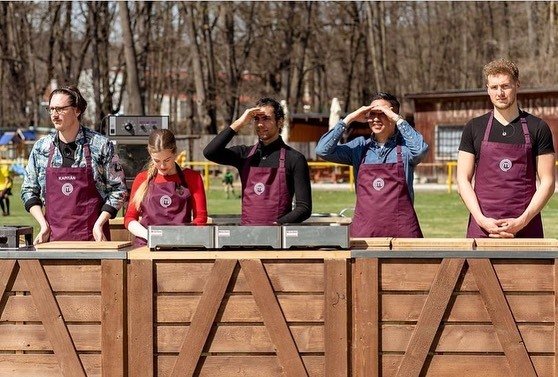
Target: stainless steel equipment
(135, 125)
(170, 237)
(315, 236)
(247, 237)
(129, 135)
(10, 236)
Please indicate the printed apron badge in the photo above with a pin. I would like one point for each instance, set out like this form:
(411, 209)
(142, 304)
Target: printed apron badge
(165, 201)
(67, 189)
(378, 184)
(259, 188)
(505, 164)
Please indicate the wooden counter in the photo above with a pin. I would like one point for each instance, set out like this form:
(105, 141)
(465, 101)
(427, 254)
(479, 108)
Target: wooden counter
(387, 307)
(62, 313)
(256, 313)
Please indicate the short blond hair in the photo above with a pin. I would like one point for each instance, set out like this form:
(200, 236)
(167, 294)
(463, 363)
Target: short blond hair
(501, 67)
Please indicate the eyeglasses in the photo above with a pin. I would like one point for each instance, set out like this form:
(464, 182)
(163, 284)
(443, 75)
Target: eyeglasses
(57, 110)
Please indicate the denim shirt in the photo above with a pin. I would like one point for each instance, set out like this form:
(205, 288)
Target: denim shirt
(413, 149)
(107, 170)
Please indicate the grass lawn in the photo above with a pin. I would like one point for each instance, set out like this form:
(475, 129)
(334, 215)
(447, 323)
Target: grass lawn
(440, 214)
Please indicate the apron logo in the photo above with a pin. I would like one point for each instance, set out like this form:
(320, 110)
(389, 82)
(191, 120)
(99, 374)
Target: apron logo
(505, 164)
(165, 201)
(259, 188)
(67, 189)
(378, 184)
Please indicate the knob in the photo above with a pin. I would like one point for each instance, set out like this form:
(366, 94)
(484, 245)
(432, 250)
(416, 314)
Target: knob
(129, 127)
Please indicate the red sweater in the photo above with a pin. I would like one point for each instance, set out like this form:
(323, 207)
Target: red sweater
(195, 185)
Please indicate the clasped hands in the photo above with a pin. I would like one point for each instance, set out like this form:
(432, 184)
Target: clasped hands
(502, 228)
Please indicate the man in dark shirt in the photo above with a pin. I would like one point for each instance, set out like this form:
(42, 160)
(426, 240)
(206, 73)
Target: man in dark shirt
(505, 150)
(271, 172)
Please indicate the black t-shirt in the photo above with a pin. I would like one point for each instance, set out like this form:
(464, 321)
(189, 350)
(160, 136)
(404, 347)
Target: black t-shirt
(68, 152)
(473, 133)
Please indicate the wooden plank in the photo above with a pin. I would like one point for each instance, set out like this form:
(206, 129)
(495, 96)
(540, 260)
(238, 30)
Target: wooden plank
(68, 276)
(469, 307)
(7, 272)
(241, 339)
(26, 337)
(417, 244)
(469, 338)
(242, 308)
(468, 366)
(248, 366)
(514, 275)
(86, 308)
(187, 276)
(273, 318)
(43, 365)
(377, 243)
(113, 341)
(365, 318)
(52, 318)
(336, 318)
(430, 317)
(502, 318)
(83, 245)
(145, 253)
(140, 318)
(538, 244)
(203, 319)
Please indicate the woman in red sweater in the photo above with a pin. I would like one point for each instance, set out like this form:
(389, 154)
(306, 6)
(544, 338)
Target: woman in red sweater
(164, 194)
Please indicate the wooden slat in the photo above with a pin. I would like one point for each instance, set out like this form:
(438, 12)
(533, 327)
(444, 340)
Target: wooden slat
(113, 319)
(469, 366)
(365, 318)
(44, 365)
(514, 275)
(86, 308)
(296, 308)
(51, 317)
(140, 318)
(273, 318)
(249, 366)
(183, 276)
(469, 307)
(499, 244)
(7, 271)
(469, 338)
(34, 338)
(502, 318)
(68, 276)
(204, 317)
(243, 339)
(336, 318)
(378, 243)
(83, 245)
(417, 244)
(430, 317)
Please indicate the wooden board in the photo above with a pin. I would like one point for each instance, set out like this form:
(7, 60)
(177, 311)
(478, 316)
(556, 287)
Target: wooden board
(377, 243)
(84, 245)
(468, 366)
(541, 244)
(242, 308)
(417, 244)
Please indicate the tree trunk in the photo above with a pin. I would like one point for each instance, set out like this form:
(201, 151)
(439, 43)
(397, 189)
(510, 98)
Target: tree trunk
(133, 88)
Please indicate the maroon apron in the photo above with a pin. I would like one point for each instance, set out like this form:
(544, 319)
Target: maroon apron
(383, 204)
(505, 182)
(73, 203)
(165, 204)
(265, 194)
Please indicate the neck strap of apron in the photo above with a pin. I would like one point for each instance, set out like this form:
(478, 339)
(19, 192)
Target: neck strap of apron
(523, 127)
(86, 150)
